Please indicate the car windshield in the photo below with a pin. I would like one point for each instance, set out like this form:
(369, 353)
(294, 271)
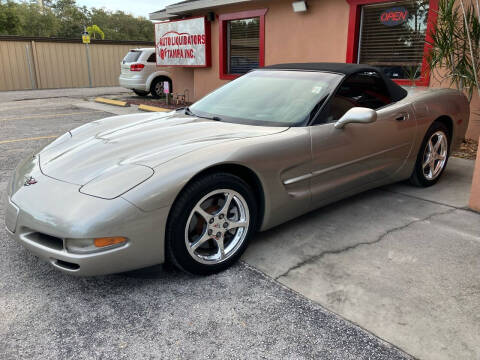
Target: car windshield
(268, 97)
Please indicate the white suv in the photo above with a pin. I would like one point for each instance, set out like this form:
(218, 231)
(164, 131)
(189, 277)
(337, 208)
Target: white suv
(139, 72)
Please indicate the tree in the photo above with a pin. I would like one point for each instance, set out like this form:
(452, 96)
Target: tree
(72, 18)
(9, 21)
(36, 21)
(120, 26)
(455, 46)
(63, 18)
(27, 19)
(95, 30)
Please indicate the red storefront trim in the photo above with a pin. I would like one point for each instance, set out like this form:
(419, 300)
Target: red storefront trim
(354, 32)
(223, 18)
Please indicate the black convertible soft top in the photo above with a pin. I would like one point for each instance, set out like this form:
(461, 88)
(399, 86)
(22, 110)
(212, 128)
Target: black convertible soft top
(396, 91)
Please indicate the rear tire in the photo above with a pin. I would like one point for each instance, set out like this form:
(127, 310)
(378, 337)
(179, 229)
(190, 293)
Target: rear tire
(210, 223)
(156, 89)
(432, 157)
(140, 92)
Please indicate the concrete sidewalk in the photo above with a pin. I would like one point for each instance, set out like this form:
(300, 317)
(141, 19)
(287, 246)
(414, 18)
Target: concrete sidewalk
(401, 262)
(6, 96)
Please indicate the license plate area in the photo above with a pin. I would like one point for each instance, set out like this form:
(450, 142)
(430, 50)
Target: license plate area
(11, 216)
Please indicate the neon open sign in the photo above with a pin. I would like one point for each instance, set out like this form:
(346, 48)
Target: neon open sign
(394, 16)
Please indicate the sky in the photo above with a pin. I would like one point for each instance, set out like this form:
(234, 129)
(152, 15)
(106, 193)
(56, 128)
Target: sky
(134, 7)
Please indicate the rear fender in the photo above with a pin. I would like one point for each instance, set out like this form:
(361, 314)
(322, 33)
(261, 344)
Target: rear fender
(455, 106)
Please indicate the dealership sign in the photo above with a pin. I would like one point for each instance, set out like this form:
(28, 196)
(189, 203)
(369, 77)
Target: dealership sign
(394, 16)
(183, 43)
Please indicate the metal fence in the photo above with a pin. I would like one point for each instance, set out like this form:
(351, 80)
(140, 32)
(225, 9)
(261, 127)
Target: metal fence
(43, 63)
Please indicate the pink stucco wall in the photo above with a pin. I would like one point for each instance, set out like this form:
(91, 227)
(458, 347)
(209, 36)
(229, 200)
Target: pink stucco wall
(318, 35)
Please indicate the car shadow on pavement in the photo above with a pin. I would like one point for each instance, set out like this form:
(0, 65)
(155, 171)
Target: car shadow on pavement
(153, 272)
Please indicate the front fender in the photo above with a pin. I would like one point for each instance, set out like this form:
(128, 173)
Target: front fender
(273, 159)
(171, 177)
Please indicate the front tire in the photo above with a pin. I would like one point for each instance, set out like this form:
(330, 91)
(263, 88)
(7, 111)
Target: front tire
(433, 156)
(210, 224)
(157, 88)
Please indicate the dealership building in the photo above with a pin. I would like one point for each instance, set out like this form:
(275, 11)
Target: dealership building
(206, 43)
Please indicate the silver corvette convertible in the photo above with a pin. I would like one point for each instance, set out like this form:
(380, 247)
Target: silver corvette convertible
(192, 186)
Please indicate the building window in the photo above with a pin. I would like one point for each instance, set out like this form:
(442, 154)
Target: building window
(392, 36)
(243, 45)
(241, 42)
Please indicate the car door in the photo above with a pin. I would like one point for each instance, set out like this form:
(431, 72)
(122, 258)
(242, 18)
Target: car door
(347, 160)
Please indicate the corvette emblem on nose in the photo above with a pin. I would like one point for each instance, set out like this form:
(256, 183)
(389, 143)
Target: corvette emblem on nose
(30, 180)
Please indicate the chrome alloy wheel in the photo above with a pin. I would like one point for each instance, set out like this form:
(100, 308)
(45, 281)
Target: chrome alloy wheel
(217, 226)
(435, 155)
(158, 88)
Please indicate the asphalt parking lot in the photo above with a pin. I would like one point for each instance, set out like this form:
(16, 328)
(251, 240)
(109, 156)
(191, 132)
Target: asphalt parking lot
(152, 313)
(397, 265)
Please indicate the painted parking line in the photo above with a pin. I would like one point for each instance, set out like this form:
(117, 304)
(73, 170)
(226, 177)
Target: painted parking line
(150, 108)
(28, 139)
(112, 102)
(50, 116)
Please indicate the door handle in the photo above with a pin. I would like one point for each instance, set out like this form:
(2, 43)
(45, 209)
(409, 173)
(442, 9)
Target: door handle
(402, 117)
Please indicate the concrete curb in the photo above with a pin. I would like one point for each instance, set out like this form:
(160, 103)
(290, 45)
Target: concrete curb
(152, 108)
(112, 102)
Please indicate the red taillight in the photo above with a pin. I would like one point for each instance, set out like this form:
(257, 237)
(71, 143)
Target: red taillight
(136, 67)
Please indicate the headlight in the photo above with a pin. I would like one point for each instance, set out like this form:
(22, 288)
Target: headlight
(117, 181)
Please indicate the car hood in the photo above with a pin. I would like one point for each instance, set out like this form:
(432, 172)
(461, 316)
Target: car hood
(141, 141)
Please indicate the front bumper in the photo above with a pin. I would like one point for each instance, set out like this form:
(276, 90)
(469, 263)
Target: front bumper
(136, 82)
(43, 215)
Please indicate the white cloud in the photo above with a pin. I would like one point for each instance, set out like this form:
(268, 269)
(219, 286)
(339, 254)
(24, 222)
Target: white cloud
(134, 7)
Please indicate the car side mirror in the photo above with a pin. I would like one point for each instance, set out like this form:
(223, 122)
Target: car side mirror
(357, 115)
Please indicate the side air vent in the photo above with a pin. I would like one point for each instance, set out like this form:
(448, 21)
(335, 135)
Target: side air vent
(66, 265)
(51, 242)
